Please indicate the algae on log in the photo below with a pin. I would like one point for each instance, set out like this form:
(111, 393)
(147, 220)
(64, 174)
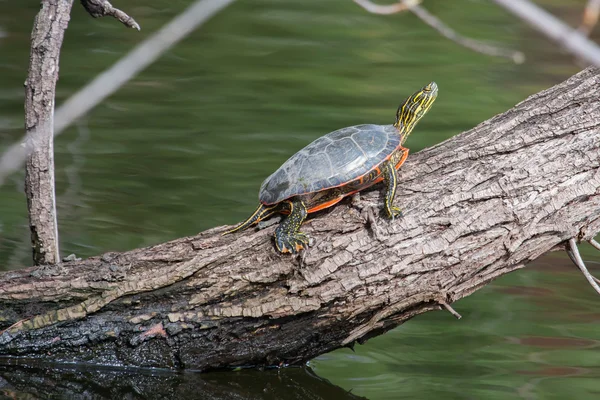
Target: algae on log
(477, 206)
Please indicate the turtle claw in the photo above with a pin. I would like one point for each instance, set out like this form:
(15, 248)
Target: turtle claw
(291, 243)
(393, 212)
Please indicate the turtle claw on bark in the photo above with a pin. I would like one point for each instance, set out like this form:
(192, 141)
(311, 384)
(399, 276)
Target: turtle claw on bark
(291, 243)
(394, 213)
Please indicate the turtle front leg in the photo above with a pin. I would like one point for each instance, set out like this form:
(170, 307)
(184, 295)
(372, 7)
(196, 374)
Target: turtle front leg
(288, 238)
(390, 179)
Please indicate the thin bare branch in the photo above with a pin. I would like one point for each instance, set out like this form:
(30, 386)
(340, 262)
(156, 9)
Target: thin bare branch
(590, 17)
(480, 47)
(573, 253)
(387, 9)
(413, 5)
(116, 76)
(597, 246)
(572, 40)
(102, 8)
(451, 310)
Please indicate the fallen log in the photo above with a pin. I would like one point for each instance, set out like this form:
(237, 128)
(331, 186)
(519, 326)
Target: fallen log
(477, 206)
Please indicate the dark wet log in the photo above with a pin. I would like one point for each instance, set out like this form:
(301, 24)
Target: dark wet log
(477, 206)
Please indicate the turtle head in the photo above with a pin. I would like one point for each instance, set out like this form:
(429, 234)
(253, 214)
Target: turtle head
(413, 109)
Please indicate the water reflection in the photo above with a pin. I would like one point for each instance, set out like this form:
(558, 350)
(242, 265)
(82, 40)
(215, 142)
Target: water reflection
(80, 382)
(530, 335)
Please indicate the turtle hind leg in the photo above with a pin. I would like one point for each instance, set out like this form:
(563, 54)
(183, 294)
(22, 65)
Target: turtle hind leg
(261, 213)
(390, 178)
(288, 238)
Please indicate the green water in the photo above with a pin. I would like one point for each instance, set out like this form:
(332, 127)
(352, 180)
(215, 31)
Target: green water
(185, 145)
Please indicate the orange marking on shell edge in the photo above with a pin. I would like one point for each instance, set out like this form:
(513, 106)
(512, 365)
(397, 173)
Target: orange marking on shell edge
(338, 199)
(328, 203)
(299, 247)
(404, 157)
(398, 165)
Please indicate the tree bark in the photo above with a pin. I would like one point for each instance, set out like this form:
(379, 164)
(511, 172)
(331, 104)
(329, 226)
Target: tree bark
(40, 88)
(46, 40)
(477, 206)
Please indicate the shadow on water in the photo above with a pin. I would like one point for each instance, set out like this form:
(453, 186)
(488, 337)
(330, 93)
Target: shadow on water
(82, 382)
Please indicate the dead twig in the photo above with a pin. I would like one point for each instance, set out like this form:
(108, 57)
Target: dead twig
(102, 8)
(516, 56)
(15, 325)
(451, 310)
(574, 255)
(597, 246)
(570, 39)
(590, 17)
(413, 5)
(387, 9)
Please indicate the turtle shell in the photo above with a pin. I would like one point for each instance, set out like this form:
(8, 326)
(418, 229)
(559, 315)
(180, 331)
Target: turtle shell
(330, 161)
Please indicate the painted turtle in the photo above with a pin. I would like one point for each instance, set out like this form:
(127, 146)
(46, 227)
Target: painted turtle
(336, 165)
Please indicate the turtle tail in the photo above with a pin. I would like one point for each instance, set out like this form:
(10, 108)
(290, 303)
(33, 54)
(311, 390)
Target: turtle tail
(261, 213)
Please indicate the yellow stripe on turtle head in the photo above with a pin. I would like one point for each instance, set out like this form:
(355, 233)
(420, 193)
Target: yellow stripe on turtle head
(414, 108)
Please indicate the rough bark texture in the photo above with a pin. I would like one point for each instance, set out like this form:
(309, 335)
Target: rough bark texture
(40, 87)
(477, 206)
